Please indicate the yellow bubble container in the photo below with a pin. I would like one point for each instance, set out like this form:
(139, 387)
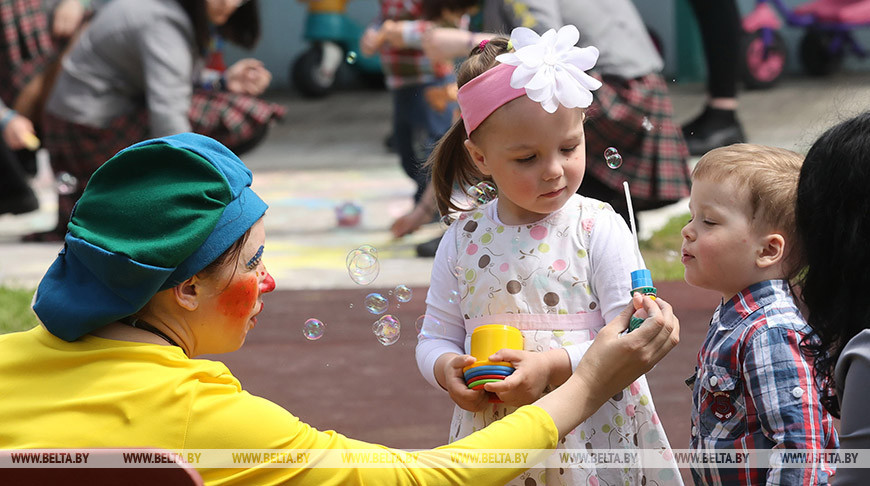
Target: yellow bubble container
(486, 340)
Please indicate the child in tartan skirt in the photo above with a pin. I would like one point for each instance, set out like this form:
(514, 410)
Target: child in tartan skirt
(134, 74)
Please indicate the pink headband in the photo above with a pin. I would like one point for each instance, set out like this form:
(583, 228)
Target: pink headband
(484, 94)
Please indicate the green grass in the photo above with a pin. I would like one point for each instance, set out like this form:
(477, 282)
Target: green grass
(661, 251)
(15, 312)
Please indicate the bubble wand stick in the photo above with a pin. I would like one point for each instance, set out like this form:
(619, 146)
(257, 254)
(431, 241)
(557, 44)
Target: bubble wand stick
(641, 279)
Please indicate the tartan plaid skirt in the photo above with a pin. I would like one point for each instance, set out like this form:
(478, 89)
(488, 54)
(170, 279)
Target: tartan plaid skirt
(636, 117)
(233, 119)
(26, 44)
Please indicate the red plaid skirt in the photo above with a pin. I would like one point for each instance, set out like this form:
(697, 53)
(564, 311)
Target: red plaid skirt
(26, 44)
(79, 150)
(636, 117)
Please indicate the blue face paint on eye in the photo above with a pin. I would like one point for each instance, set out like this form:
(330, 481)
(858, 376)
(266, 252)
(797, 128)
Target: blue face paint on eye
(255, 260)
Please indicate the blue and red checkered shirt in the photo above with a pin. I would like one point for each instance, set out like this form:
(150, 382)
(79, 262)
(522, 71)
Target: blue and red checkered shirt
(753, 389)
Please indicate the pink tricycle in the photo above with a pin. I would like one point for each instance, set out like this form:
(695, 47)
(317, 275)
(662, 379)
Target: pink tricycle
(828, 23)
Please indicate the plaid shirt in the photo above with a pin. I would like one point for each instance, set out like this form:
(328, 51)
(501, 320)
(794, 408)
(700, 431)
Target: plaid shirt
(753, 389)
(407, 66)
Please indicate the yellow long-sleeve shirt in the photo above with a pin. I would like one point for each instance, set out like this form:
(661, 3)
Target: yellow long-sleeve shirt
(97, 392)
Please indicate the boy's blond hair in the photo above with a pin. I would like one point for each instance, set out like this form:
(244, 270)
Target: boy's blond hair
(769, 175)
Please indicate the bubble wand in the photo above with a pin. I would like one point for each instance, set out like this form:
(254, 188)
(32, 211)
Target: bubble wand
(641, 279)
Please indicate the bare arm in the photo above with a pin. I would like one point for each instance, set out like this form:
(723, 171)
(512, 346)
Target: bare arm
(612, 363)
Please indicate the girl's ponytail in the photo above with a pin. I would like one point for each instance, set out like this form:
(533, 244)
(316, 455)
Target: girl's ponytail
(449, 163)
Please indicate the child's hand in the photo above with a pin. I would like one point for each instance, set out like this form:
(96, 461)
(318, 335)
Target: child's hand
(391, 32)
(530, 378)
(371, 42)
(248, 76)
(19, 134)
(454, 382)
(68, 16)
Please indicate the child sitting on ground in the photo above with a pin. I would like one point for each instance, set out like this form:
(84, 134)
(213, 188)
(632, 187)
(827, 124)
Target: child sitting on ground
(753, 387)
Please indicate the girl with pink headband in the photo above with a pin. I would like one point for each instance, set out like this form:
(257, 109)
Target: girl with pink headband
(539, 257)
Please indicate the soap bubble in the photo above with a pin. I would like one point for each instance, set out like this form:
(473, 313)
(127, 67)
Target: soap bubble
(369, 249)
(351, 57)
(376, 303)
(453, 297)
(433, 327)
(403, 293)
(612, 157)
(313, 329)
(66, 183)
(647, 125)
(482, 192)
(387, 329)
(363, 265)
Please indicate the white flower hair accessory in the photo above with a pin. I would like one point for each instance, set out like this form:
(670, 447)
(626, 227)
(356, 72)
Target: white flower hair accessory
(551, 68)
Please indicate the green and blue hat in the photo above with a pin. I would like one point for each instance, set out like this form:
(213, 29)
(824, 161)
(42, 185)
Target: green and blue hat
(151, 217)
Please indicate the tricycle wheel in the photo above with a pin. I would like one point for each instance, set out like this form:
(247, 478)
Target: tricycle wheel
(307, 76)
(762, 64)
(817, 55)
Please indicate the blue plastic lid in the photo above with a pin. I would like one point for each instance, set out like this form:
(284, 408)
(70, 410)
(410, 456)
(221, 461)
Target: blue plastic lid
(641, 278)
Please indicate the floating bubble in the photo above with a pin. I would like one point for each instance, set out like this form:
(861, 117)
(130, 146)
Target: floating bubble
(647, 125)
(612, 157)
(313, 329)
(362, 264)
(387, 329)
(369, 249)
(453, 297)
(403, 293)
(482, 192)
(446, 220)
(458, 271)
(66, 183)
(428, 326)
(376, 303)
(351, 57)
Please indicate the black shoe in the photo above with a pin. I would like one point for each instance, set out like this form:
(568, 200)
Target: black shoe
(712, 128)
(19, 205)
(428, 248)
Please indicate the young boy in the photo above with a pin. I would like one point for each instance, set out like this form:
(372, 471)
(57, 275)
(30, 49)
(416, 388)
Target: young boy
(753, 387)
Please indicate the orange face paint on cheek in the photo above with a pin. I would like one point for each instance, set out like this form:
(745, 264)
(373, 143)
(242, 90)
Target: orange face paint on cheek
(239, 298)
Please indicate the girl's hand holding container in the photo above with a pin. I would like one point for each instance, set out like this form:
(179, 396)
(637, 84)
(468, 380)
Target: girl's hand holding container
(536, 372)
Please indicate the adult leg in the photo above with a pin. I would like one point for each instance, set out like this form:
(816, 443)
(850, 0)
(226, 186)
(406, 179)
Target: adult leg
(411, 134)
(717, 125)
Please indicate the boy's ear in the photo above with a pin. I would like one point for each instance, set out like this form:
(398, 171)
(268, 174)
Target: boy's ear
(187, 293)
(477, 156)
(772, 250)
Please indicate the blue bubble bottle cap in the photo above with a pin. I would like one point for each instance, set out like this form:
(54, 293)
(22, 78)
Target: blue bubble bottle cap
(641, 278)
